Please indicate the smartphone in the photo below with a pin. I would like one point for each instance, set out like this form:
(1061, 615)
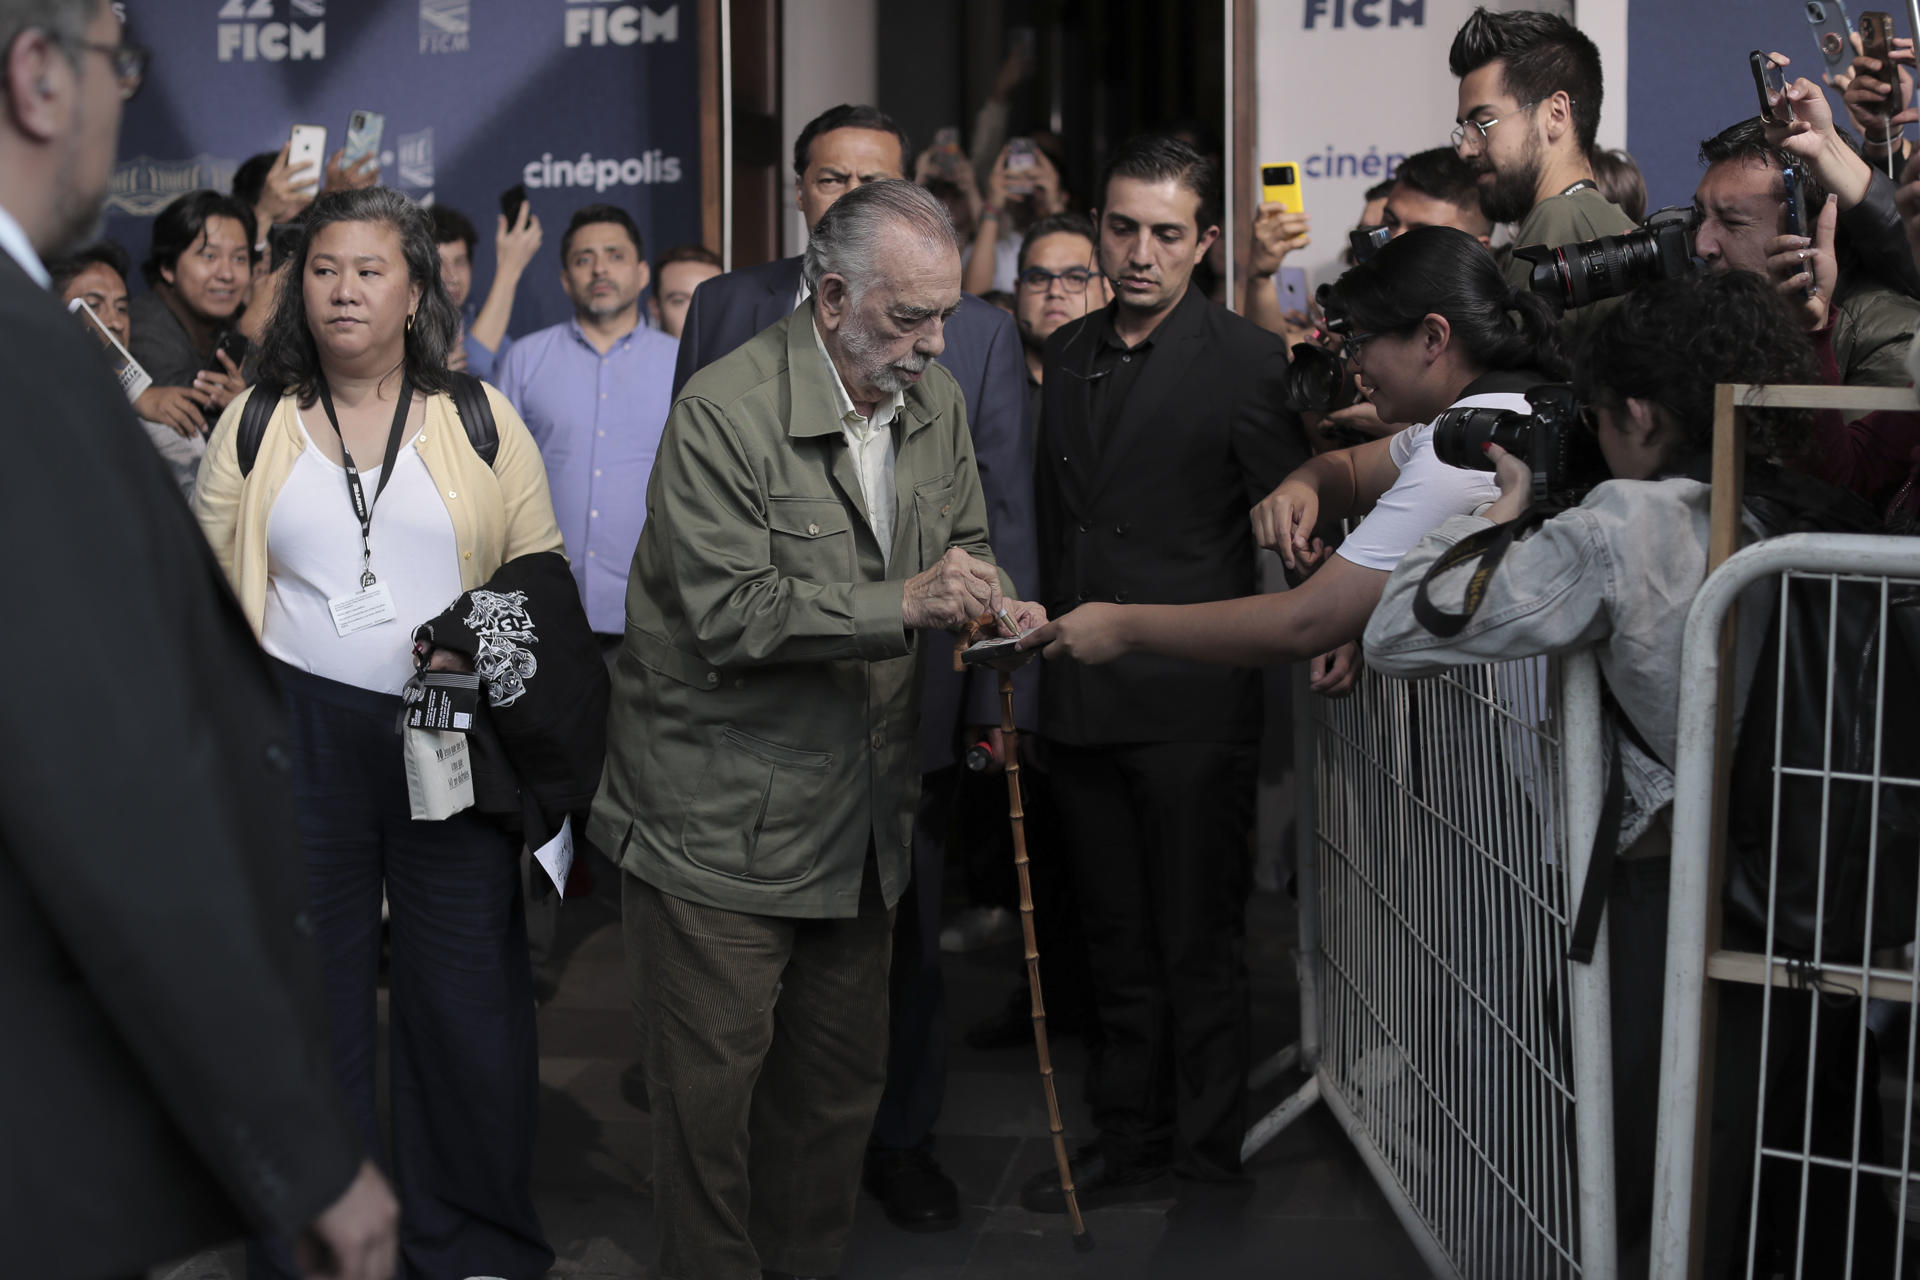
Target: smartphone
(1796, 198)
(1292, 283)
(1876, 41)
(1280, 184)
(511, 202)
(1831, 30)
(133, 378)
(307, 149)
(363, 136)
(1770, 83)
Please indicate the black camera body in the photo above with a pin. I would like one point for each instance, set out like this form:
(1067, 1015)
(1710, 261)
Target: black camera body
(1552, 440)
(1576, 274)
(1317, 381)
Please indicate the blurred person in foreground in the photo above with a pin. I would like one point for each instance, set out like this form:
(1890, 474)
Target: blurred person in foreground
(165, 1064)
(364, 512)
(814, 505)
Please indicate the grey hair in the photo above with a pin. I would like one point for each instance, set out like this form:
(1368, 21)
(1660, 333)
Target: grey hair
(66, 21)
(845, 238)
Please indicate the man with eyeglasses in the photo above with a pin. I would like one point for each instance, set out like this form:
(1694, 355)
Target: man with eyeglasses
(1058, 280)
(1529, 106)
(165, 1056)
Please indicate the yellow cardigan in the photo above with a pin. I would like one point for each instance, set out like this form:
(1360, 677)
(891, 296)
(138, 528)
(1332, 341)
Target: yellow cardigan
(499, 512)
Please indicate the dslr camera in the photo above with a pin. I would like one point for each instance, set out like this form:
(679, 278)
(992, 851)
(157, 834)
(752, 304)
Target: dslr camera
(1576, 274)
(1554, 440)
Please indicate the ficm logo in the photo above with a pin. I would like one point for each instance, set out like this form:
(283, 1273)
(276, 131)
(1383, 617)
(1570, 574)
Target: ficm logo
(250, 31)
(595, 22)
(654, 167)
(445, 25)
(1366, 13)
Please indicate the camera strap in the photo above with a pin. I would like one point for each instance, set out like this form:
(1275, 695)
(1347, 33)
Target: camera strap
(1488, 546)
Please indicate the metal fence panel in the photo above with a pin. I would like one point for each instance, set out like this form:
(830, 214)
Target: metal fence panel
(1454, 1039)
(1812, 1098)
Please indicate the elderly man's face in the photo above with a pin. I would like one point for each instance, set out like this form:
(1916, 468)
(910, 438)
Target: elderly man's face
(883, 340)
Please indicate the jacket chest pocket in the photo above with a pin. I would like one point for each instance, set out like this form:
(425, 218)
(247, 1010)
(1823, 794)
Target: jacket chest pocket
(933, 512)
(811, 539)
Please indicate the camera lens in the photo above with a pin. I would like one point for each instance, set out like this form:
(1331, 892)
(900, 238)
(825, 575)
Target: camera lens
(1815, 13)
(1316, 381)
(1460, 436)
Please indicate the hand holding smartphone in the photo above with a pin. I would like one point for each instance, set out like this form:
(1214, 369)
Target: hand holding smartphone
(1770, 83)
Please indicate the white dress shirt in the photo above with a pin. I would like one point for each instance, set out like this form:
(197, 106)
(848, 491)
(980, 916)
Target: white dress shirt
(13, 239)
(870, 441)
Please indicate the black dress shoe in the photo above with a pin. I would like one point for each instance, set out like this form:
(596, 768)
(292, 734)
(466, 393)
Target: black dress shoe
(1097, 1181)
(911, 1187)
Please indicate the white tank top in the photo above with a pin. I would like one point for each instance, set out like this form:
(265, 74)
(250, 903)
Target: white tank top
(313, 555)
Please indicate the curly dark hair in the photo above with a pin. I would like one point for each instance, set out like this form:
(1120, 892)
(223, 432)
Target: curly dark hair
(1671, 342)
(289, 357)
(1446, 272)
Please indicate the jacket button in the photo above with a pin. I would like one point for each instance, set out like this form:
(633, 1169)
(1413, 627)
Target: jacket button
(1082, 597)
(945, 507)
(813, 530)
(879, 739)
(1119, 597)
(1083, 528)
(1119, 531)
(713, 678)
(276, 758)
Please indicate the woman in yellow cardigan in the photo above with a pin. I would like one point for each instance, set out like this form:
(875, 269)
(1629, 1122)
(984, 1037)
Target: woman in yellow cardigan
(366, 511)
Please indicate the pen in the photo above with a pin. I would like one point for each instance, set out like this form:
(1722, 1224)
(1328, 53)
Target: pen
(1005, 619)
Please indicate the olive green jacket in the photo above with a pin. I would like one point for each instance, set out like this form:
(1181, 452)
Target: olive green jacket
(765, 702)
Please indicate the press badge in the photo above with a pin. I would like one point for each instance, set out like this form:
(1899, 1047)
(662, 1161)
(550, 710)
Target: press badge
(368, 607)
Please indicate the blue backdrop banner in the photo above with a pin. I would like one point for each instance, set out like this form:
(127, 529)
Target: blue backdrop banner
(582, 100)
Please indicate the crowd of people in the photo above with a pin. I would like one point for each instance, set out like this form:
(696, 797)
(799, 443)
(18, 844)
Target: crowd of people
(740, 517)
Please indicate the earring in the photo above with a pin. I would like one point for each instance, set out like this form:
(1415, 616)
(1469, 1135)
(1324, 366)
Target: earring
(409, 322)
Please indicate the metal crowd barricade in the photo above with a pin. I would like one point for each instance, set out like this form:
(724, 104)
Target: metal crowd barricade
(1814, 1187)
(1783, 1176)
(1441, 844)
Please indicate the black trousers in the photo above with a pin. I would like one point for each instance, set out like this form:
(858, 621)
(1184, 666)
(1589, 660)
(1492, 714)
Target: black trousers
(464, 1063)
(1157, 839)
(916, 991)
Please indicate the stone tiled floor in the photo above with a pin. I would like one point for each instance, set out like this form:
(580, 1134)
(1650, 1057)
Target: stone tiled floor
(1311, 1211)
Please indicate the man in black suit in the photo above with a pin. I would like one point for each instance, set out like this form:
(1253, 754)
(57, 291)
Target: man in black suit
(167, 1081)
(839, 150)
(1162, 425)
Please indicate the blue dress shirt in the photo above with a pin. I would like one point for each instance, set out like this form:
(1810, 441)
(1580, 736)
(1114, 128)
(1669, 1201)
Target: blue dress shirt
(597, 419)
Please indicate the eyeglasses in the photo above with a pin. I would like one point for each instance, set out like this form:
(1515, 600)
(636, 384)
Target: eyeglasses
(1351, 345)
(1073, 280)
(129, 62)
(1460, 132)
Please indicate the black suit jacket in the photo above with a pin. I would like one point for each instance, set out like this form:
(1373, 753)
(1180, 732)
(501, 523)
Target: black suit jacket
(167, 1084)
(984, 356)
(1157, 514)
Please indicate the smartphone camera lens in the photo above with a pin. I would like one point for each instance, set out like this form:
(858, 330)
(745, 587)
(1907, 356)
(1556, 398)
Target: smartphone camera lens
(1816, 13)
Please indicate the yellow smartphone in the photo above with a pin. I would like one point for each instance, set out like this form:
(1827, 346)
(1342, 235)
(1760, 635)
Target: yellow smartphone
(1280, 184)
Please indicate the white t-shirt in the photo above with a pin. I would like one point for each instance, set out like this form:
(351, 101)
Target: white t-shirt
(313, 555)
(1427, 492)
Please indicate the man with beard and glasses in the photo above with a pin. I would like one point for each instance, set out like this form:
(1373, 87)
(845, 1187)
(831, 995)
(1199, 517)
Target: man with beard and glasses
(165, 1056)
(1529, 106)
(594, 391)
(814, 505)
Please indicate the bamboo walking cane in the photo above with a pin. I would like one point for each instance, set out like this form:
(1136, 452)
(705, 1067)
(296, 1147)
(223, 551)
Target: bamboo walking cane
(1017, 816)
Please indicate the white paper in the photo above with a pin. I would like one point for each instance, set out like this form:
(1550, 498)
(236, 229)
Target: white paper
(556, 855)
(439, 773)
(359, 610)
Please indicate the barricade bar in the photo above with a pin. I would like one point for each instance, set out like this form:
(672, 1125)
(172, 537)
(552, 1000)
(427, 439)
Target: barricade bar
(1757, 970)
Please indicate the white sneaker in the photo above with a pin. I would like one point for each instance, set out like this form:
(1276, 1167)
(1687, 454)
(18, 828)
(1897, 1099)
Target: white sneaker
(978, 928)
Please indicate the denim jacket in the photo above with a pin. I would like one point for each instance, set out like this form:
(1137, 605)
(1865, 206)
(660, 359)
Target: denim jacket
(1618, 574)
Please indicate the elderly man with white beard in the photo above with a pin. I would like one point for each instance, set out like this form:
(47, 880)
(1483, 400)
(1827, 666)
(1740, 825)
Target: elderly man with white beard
(814, 504)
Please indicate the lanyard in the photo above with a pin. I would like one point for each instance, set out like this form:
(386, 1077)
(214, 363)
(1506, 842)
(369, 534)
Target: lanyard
(356, 492)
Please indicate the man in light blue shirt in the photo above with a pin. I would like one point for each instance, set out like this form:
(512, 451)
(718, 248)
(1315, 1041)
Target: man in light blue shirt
(595, 393)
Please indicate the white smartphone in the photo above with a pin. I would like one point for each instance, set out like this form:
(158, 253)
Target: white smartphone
(1292, 284)
(363, 136)
(307, 149)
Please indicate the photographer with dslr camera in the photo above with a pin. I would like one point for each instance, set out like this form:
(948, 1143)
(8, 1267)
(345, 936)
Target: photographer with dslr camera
(1427, 322)
(1615, 570)
(1529, 104)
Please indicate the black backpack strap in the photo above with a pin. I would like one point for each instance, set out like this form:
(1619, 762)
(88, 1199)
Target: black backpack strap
(254, 416)
(476, 415)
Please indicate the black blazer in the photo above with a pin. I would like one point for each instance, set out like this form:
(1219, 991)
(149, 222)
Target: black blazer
(985, 357)
(167, 1083)
(1158, 514)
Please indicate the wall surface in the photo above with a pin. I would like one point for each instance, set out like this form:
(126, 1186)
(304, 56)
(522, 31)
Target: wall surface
(829, 55)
